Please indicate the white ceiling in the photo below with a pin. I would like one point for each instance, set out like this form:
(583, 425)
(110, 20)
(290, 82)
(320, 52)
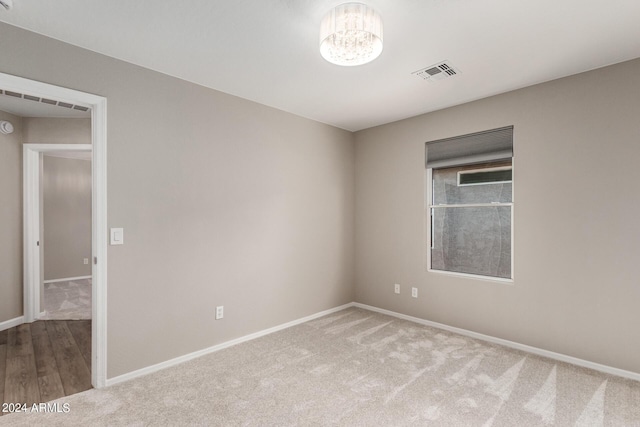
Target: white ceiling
(267, 50)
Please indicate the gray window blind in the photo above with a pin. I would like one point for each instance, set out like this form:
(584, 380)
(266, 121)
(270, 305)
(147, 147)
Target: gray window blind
(480, 147)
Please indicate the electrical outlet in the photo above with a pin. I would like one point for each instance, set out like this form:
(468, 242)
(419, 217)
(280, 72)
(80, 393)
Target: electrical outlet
(219, 312)
(86, 261)
(396, 288)
(414, 292)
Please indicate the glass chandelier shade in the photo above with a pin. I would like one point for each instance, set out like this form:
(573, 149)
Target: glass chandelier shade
(351, 34)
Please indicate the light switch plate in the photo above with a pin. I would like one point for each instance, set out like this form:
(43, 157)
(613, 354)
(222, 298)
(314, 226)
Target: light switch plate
(117, 236)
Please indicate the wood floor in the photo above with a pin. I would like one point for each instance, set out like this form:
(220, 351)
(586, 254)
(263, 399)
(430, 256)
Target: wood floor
(45, 360)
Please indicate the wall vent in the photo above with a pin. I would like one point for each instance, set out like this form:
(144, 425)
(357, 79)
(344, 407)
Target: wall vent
(438, 71)
(43, 100)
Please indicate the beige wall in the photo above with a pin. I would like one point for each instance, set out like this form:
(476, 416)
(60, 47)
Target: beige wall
(223, 202)
(11, 220)
(66, 193)
(44, 130)
(576, 213)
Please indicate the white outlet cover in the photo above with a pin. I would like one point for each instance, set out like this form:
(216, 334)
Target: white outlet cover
(219, 312)
(414, 292)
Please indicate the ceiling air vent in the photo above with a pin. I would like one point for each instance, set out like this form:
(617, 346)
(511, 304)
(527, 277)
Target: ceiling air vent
(43, 100)
(439, 71)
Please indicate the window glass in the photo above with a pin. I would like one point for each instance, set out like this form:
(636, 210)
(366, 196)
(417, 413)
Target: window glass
(471, 222)
(489, 176)
(446, 190)
(473, 240)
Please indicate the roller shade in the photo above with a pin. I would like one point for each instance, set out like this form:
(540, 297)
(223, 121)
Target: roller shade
(480, 147)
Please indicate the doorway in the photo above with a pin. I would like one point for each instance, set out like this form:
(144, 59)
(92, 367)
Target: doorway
(31, 212)
(65, 241)
(57, 288)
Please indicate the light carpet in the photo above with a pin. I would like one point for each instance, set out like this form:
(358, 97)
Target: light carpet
(70, 300)
(359, 368)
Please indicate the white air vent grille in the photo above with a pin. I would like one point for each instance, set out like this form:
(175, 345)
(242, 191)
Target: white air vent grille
(43, 100)
(436, 72)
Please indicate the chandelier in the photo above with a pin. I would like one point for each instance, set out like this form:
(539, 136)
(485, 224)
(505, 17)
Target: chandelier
(351, 34)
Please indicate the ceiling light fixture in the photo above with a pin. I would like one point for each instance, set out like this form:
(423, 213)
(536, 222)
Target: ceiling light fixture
(351, 34)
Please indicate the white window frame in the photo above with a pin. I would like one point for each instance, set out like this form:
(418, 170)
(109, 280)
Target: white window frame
(429, 224)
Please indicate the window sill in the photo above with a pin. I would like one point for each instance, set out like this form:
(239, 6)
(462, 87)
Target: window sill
(472, 276)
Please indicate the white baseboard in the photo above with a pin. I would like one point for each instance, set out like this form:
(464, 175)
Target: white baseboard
(11, 323)
(218, 347)
(511, 344)
(67, 279)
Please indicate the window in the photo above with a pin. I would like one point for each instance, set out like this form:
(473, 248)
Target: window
(470, 204)
(499, 175)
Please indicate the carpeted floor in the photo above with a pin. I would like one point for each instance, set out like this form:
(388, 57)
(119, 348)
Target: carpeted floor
(69, 300)
(358, 368)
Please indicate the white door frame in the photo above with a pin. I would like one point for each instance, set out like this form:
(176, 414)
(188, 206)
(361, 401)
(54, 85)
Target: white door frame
(98, 105)
(31, 172)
